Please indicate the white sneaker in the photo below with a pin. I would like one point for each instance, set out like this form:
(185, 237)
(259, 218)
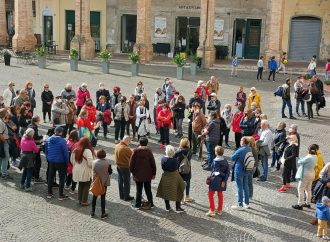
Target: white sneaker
(116, 142)
(235, 207)
(246, 206)
(210, 214)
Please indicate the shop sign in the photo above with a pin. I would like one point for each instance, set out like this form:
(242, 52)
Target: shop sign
(189, 7)
(160, 27)
(218, 29)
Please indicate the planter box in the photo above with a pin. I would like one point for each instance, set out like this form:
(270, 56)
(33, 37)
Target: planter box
(74, 65)
(105, 67)
(193, 69)
(179, 73)
(7, 60)
(42, 62)
(135, 69)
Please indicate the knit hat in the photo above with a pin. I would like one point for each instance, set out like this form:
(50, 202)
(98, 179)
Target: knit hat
(29, 132)
(325, 200)
(58, 130)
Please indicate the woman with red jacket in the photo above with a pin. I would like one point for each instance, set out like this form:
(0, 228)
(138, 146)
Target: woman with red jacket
(84, 125)
(164, 120)
(238, 116)
(91, 110)
(82, 95)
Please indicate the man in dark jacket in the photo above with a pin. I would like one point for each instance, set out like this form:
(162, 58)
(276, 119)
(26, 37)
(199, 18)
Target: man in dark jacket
(320, 94)
(286, 99)
(272, 66)
(102, 92)
(143, 168)
(212, 132)
(57, 155)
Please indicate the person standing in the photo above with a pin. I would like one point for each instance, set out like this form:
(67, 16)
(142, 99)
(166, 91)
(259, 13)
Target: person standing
(115, 98)
(71, 117)
(234, 65)
(170, 90)
(213, 85)
(121, 112)
(254, 97)
(102, 169)
(265, 146)
(68, 92)
(178, 113)
(248, 124)
(283, 61)
(220, 174)
(102, 92)
(323, 216)
(47, 99)
(159, 95)
(82, 95)
(139, 89)
(237, 118)
(9, 94)
(203, 93)
(82, 159)
(57, 155)
(272, 66)
(171, 185)
(72, 143)
(311, 69)
(143, 168)
(260, 66)
(103, 115)
(240, 175)
(279, 139)
(286, 99)
(4, 139)
(306, 174)
(327, 70)
(299, 89)
(21, 98)
(29, 149)
(198, 124)
(320, 94)
(31, 94)
(122, 157)
(131, 116)
(59, 113)
(228, 116)
(164, 120)
(214, 104)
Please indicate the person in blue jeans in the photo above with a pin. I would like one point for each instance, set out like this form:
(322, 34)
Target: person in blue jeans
(4, 139)
(240, 175)
(272, 66)
(212, 132)
(286, 99)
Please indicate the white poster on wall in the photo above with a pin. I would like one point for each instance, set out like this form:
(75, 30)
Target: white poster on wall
(160, 27)
(218, 29)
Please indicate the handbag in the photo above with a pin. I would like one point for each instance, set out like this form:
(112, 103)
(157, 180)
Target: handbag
(209, 179)
(97, 187)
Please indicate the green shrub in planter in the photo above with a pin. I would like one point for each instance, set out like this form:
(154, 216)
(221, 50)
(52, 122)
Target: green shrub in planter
(7, 57)
(193, 65)
(135, 58)
(40, 52)
(180, 61)
(74, 55)
(105, 55)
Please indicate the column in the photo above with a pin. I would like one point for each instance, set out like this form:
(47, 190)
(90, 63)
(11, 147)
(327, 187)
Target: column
(24, 38)
(274, 29)
(83, 41)
(143, 32)
(3, 21)
(206, 48)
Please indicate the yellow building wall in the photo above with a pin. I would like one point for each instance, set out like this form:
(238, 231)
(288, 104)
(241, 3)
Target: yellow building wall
(58, 8)
(312, 8)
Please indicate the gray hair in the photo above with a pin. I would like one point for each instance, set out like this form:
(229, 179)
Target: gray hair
(126, 138)
(294, 126)
(265, 122)
(169, 150)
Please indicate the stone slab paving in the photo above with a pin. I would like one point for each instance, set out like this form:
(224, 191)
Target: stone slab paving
(31, 217)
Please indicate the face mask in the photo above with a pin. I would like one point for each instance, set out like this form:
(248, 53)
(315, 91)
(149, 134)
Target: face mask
(227, 109)
(29, 87)
(257, 114)
(59, 100)
(101, 87)
(290, 130)
(180, 101)
(253, 108)
(68, 89)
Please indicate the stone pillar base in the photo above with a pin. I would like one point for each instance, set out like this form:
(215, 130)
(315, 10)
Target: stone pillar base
(24, 42)
(145, 51)
(209, 58)
(87, 48)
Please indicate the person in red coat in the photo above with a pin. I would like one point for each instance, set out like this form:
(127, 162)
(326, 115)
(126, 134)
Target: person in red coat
(238, 116)
(82, 95)
(84, 122)
(91, 110)
(164, 120)
(203, 92)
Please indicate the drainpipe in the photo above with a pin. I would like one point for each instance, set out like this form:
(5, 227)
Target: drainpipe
(80, 30)
(205, 37)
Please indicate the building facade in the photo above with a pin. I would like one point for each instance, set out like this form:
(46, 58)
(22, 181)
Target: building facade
(245, 28)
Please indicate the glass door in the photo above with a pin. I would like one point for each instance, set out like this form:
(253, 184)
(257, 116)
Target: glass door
(69, 27)
(48, 30)
(95, 29)
(253, 33)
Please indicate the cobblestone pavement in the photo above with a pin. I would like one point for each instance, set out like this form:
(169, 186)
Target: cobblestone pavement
(31, 217)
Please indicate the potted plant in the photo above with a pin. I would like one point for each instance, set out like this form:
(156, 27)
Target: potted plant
(74, 55)
(105, 55)
(41, 56)
(193, 65)
(180, 61)
(7, 56)
(134, 57)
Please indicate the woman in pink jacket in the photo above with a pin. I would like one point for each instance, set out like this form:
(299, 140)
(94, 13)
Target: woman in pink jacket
(29, 149)
(82, 95)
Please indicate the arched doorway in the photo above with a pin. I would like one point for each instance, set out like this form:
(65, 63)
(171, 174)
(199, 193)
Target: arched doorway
(305, 37)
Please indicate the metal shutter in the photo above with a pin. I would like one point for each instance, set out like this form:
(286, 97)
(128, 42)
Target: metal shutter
(304, 38)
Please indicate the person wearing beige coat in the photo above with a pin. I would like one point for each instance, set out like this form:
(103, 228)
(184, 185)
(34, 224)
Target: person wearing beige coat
(82, 170)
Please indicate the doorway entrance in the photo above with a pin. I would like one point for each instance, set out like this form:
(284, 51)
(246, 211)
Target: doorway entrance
(128, 32)
(246, 40)
(48, 30)
(187, 34)
(95, 29)
(69, 27)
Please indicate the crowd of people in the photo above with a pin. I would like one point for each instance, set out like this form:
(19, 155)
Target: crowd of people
(77, 121)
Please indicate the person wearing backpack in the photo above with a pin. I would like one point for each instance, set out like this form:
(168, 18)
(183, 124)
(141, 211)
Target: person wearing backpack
(272, 66)
(300, 91)
(286, 99)
(240, 175)
(183, 155)
(219, 176)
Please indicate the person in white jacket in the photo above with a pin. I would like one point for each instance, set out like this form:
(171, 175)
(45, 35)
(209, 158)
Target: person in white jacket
(141, 123)
(9, 94)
